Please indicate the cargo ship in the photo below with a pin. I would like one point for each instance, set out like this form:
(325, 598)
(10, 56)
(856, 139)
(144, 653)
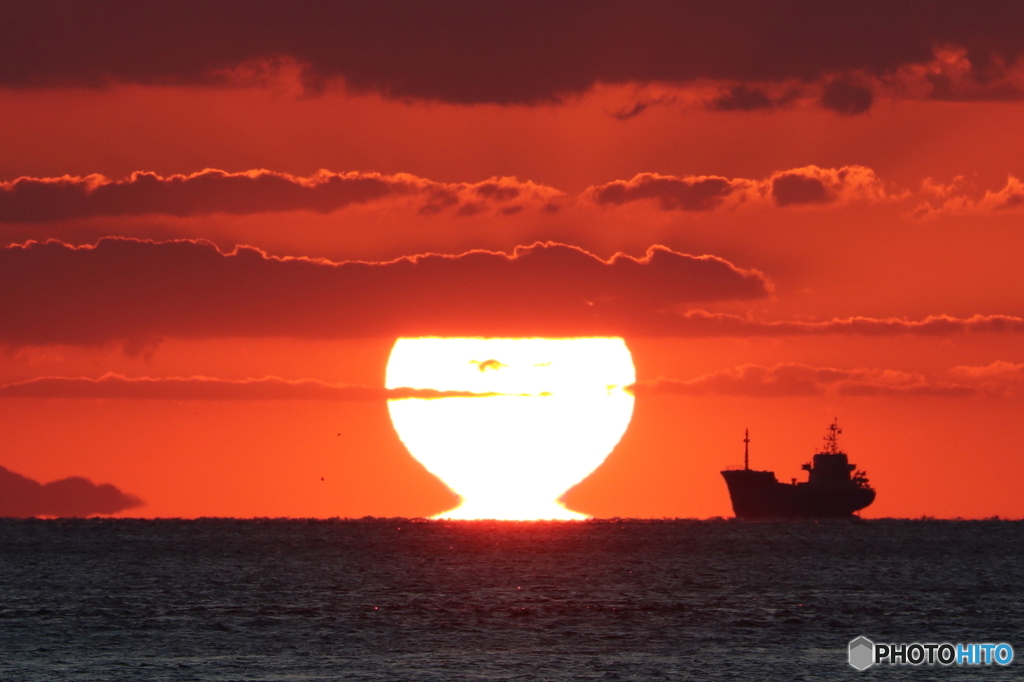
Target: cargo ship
(833, 489)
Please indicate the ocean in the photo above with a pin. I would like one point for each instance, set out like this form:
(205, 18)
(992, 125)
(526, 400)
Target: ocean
(401, 599)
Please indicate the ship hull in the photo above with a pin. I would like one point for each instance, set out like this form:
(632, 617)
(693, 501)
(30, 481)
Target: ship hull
(758, 495)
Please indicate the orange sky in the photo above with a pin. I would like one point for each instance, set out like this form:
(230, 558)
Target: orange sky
(855, 182)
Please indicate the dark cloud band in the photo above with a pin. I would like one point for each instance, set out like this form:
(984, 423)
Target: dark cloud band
(503, 52)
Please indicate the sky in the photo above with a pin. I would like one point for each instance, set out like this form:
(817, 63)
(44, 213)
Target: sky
(216, 219)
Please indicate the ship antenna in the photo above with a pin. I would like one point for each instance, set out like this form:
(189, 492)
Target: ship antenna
(746, 450)
(832, 438)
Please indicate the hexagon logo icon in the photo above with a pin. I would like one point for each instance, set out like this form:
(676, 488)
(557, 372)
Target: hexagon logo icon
(862, 653)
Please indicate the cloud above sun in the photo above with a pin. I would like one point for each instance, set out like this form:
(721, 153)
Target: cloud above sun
(137, 292)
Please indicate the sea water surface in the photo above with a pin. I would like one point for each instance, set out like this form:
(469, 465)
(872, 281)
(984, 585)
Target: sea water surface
(400, 599)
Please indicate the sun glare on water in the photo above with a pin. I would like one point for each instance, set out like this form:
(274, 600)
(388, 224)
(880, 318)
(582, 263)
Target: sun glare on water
(560, 407)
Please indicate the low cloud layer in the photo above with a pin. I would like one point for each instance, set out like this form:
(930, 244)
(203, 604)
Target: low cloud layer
(118, 387)
(1001, 379)
(392, 47)
(75, 496)
(138, 292)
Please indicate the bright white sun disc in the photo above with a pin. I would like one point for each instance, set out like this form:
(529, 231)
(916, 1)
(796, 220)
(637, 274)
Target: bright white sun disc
(560, 410)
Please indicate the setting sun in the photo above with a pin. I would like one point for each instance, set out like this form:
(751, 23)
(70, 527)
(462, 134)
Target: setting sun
(553, 411)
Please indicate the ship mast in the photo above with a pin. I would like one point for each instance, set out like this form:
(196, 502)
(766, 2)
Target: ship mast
(746, 450)
(832, 438)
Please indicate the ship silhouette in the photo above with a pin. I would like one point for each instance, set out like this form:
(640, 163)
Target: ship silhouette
(830, 491)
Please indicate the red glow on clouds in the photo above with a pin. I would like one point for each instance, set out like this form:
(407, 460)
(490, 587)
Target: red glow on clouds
(788, 213)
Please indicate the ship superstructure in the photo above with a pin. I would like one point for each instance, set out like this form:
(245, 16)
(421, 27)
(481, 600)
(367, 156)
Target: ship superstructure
(834, 489)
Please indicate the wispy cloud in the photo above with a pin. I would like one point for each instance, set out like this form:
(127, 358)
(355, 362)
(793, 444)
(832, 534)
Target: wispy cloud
(960, 196)
(700, 323)
(119, 387)
(1000, 379)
